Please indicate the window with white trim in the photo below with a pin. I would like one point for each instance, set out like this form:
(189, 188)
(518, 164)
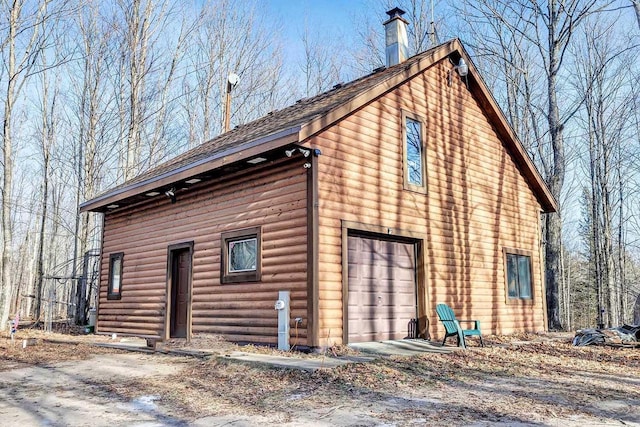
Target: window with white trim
(241, 256)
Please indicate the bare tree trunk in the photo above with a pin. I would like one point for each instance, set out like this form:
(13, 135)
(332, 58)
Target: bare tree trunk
(137, 25)
(622, 249)
(43, 222)
(556, 178)
(636, 7)
(46, 141)
(18, 69)
(7, 177)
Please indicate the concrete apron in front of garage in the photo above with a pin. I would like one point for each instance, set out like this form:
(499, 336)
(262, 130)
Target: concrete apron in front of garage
(369, 352)
(407, 347)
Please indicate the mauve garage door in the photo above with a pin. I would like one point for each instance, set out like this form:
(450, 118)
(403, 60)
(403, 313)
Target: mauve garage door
(382, 289)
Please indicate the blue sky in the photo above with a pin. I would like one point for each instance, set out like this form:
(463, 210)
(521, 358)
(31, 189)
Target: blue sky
(332, 17)
(329, 14)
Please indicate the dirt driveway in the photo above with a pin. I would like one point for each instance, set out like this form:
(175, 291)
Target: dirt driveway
(536, 384)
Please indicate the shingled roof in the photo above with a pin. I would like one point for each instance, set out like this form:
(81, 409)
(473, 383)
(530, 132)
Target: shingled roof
(301, 120)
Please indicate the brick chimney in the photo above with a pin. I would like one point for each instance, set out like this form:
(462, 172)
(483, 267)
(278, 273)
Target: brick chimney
(395, 29)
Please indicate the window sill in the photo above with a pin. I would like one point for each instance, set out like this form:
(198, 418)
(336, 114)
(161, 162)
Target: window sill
(242, 277)
(520, 301)
(415, 189)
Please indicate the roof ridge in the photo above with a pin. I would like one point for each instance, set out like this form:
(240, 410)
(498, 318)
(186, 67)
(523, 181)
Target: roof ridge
(305, 111)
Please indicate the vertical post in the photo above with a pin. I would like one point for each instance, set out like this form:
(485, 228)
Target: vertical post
(50, 308)
(227, 109)
(232, 81)
(282, 306)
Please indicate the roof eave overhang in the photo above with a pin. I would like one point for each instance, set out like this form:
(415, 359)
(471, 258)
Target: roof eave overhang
(207, 164)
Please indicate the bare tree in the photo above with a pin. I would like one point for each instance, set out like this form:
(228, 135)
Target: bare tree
(135, 49)
(636, 7)
(604, 78)
(321, 64)
(47, 134)
(231, 37)
(427, 27)
(90, 115)
(21, 42)
(548, 27)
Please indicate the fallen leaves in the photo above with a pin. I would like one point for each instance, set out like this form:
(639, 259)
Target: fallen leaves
(40, 352)
(509, 381)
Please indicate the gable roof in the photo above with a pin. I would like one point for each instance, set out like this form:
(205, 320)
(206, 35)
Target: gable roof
(307, 117)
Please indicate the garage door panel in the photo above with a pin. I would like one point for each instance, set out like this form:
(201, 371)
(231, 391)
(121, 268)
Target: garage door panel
(369, 258)
(401, 306)
(381, 286)
(373, 328)
(381, 273)
(382, 297)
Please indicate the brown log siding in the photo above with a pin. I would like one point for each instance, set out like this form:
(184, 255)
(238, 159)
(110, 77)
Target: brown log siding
(477, 203)
(272, 196)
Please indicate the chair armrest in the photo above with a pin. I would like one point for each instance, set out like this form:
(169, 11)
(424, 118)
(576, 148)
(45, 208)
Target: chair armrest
(477, 323)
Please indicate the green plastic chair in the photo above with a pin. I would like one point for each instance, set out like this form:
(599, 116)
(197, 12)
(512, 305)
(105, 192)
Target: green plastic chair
(452, 326)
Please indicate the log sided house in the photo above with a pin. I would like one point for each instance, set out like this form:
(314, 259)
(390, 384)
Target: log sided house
(369, 203)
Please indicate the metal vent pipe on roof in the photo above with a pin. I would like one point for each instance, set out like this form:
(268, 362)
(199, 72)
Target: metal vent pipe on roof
(232, 81)
(396, 40)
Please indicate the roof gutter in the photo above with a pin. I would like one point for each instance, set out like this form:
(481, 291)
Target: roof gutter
(209, 163)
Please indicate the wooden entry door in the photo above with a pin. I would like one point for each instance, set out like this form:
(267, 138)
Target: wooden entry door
(180, 291)
(382, 288)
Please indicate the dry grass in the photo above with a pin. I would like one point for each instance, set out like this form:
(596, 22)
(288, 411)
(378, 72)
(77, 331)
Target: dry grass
(43, 352)
(508, 382)
(521, 383)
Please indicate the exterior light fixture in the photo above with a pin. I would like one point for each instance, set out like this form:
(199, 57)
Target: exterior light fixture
(304, 152)
(152, 193)
(289, 153)
(112, 206)
(257, 160)
(193, 180)
(171, 193)
(462, 69)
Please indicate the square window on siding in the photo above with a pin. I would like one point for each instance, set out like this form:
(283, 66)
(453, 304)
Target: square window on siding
(241, 256)
(115, 275)
(518, 275)
(414, 153)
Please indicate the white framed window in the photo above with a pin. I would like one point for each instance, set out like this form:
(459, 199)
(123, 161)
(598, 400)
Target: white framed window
(241, 256)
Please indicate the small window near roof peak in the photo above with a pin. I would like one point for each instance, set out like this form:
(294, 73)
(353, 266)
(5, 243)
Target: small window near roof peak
(414, 153)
